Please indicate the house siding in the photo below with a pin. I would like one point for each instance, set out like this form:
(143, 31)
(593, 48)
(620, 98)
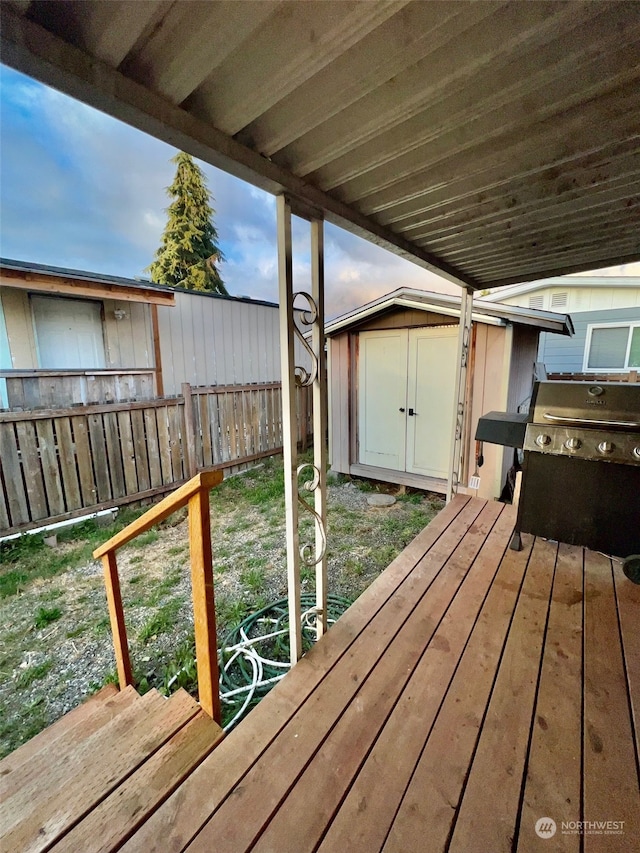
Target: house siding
(565, 355)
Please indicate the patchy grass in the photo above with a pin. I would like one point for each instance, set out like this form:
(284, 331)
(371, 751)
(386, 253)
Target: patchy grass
(45, 617)
(33, 673)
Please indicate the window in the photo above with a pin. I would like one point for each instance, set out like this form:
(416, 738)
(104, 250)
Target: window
(614, 347)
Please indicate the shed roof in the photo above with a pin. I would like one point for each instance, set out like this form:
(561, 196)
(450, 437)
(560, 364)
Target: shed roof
(440, 303)
(565, 282)
(494, 141)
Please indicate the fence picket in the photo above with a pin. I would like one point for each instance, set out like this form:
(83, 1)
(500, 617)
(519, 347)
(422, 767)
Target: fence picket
(114, 454)
(28, 445)
(82, 449)
(50, 469)
(16, 495)
(151, 428)
(66, 457)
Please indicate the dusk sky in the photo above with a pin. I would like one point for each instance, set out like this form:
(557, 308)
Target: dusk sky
(81, 190)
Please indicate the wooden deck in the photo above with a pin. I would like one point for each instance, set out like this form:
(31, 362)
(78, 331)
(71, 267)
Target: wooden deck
(471, 691)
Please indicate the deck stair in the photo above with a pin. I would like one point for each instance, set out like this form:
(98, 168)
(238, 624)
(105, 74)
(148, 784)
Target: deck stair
(92, 778)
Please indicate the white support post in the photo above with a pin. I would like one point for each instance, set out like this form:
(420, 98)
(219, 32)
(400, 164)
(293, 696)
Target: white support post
(464, 336)
(319, 421)
(289, 423)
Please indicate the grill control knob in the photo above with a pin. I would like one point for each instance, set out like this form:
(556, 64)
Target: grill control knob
(606, 447)
(636, 452)
(573, 443)
(542, 440)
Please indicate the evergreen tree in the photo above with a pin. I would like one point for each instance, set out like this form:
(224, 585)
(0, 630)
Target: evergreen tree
(189, 254)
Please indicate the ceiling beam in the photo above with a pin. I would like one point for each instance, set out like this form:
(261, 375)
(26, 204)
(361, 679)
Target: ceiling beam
(33, 50)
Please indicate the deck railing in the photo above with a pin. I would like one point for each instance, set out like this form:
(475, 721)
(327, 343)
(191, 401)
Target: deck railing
(195, 495)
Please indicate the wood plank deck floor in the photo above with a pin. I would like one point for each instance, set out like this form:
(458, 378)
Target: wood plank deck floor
(469, 692)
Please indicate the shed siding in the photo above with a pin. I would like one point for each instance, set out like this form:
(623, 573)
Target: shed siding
(565, 355)
(406, 318)
(339, 390)
(128, 342)
(211, 341)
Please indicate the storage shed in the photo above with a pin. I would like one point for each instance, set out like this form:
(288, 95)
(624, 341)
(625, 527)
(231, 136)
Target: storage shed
(392, 372)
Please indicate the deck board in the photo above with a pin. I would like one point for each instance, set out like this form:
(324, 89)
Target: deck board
(469, 692)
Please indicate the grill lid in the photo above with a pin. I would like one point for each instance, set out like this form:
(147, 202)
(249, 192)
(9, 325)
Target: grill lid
(587, 405)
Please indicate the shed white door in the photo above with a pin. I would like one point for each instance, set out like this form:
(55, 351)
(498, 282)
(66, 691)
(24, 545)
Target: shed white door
(406, 399)
(433, 355)
(382, 384)
(69, 333)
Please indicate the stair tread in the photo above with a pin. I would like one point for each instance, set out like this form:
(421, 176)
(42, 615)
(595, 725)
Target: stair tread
(75, 780)
(17, 770)
(59, 727)
(119, 815)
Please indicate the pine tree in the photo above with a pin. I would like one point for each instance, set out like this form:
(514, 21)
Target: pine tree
(189, 254)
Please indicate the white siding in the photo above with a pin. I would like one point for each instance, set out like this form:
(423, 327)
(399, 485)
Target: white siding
(577, 298)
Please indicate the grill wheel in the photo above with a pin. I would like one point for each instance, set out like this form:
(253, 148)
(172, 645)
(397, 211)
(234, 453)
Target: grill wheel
(631, 568)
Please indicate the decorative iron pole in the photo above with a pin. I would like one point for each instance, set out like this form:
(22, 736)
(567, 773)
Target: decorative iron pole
(464, 337)
(294, 376)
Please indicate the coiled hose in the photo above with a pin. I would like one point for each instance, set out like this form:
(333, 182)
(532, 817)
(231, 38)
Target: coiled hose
(255, 654)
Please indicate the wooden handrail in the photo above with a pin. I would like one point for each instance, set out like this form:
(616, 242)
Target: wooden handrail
(195, 494)
(173, 502)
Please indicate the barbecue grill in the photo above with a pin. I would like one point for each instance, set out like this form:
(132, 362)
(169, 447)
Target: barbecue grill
(581, 466)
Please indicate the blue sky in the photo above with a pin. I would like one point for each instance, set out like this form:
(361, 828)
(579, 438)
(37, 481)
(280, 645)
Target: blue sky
(79, 189)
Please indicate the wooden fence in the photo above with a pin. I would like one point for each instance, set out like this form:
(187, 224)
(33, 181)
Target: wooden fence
(60, 463)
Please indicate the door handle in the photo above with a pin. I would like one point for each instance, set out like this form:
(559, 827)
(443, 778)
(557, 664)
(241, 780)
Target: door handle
(401, 409)
(412, 413)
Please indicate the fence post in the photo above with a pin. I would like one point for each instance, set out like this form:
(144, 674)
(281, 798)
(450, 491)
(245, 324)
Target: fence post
(190, 429)
(116, 616)
(204, 615)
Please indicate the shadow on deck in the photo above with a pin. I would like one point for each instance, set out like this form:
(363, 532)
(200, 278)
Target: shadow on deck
(469, 692)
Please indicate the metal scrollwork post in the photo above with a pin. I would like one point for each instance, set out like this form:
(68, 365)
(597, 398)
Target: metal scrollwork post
(464, 337)
(303, 376)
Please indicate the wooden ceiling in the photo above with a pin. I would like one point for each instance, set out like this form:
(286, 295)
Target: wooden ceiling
(495, 142)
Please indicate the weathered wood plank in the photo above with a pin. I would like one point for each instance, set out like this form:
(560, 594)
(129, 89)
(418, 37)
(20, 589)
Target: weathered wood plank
(126, 808)
(114, 454)
(12, 475)
(67, 459)
(50, 469)
(30, 456)
(36, 822)
(164, 444)
(205, 428)
(188, 432)
(116, 617)
(553, 780)
(88, 487)
(128, 453)
(176, 429)
(140, 450)
(213, 780)
(151, 428)
(610, 786)
(99, 457)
